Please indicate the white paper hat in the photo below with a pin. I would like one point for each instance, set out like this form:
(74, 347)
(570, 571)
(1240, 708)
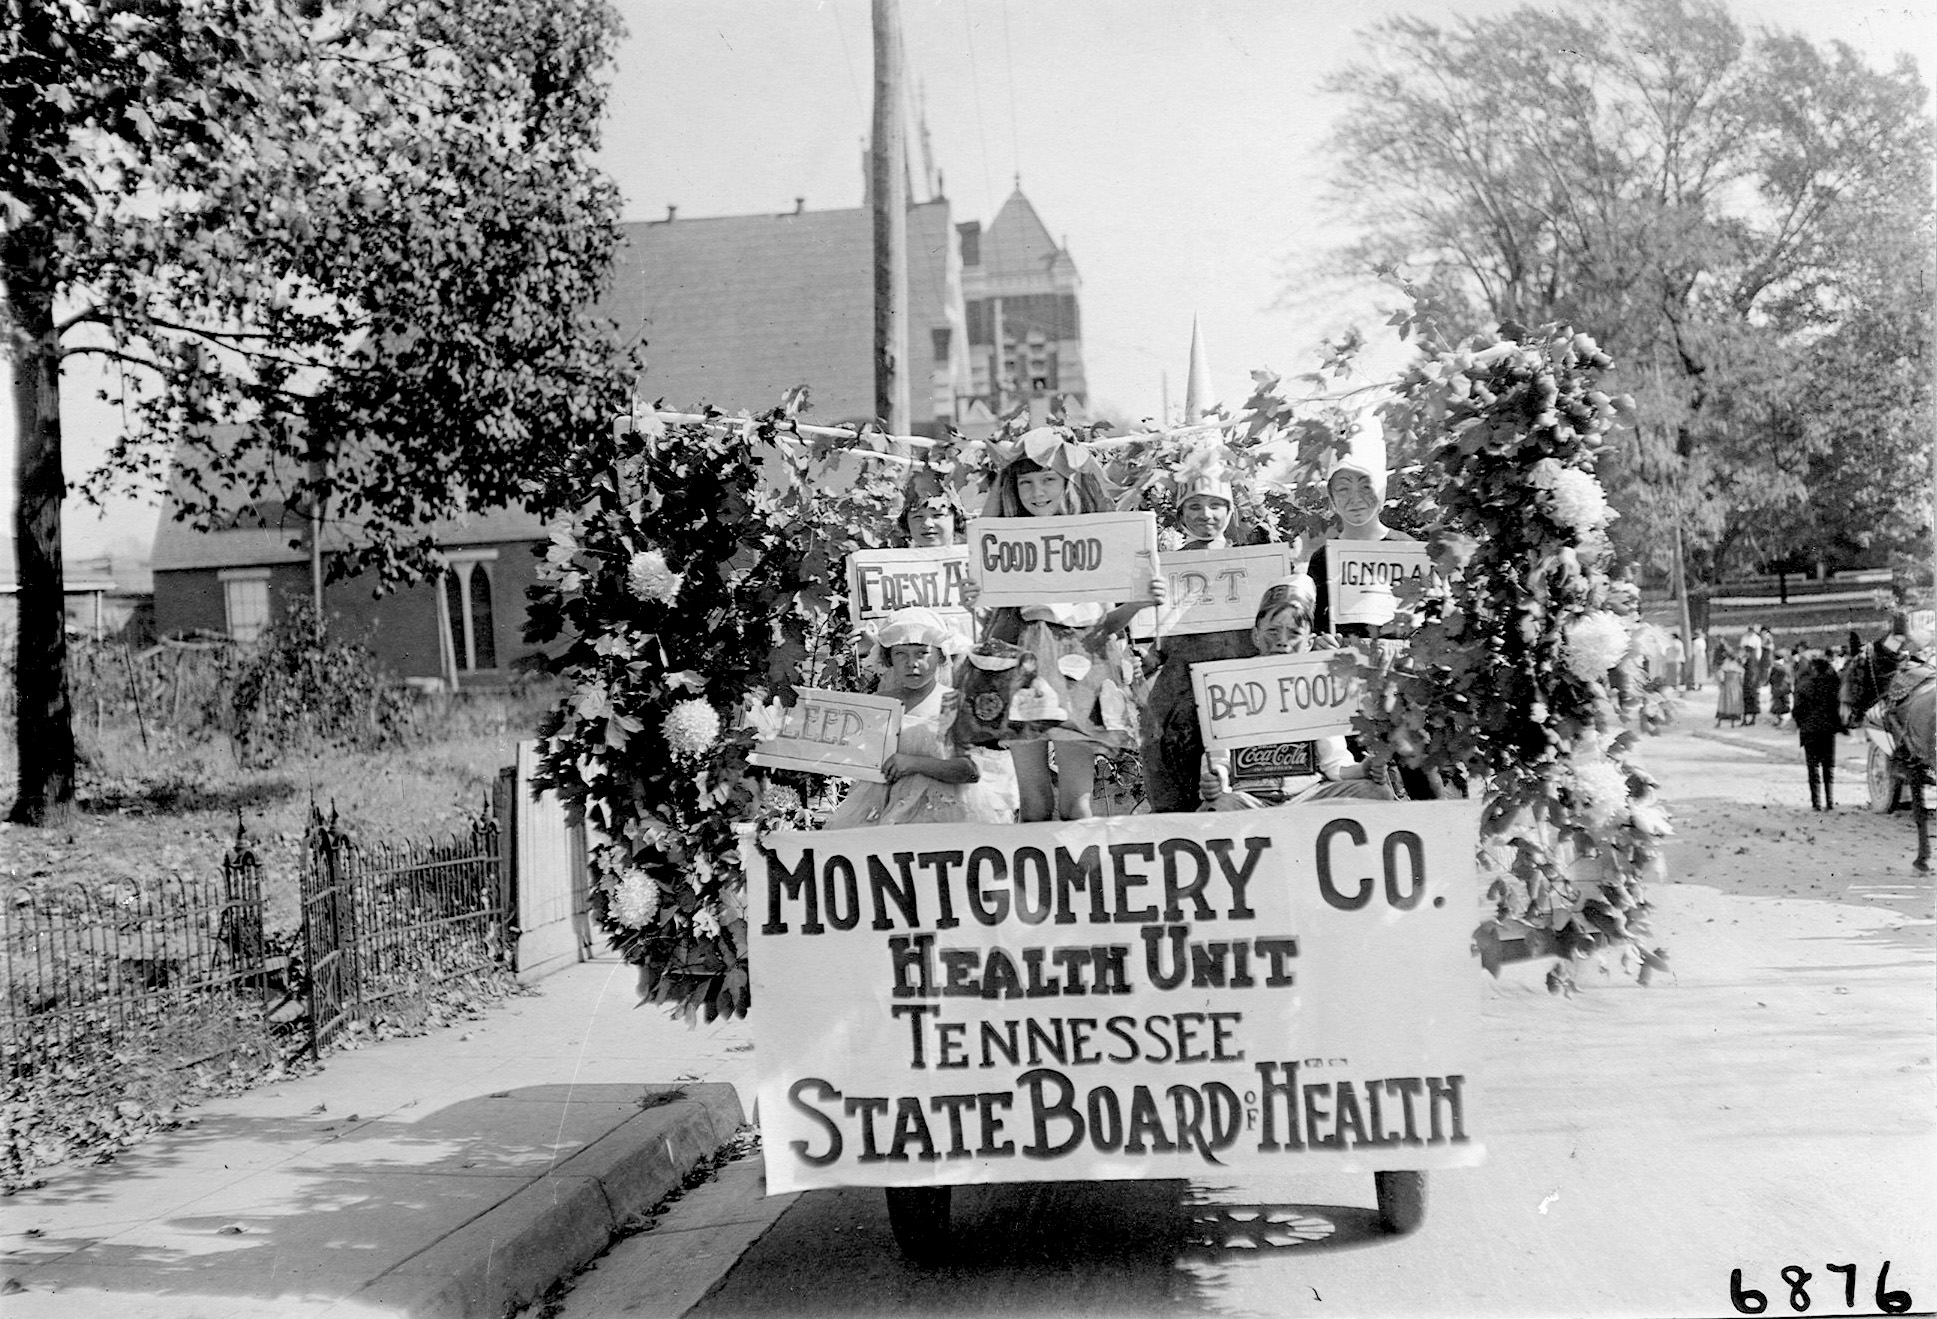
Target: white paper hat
(1367, 455)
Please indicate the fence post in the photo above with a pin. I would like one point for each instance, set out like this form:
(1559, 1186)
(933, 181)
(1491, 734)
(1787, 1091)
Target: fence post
(504, 809)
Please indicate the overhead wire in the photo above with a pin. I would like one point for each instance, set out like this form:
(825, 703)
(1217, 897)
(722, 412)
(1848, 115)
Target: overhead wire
(1015, 132)
(975, 83)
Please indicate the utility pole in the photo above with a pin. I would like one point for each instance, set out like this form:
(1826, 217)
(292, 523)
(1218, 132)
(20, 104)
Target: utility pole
(889, 195)
(318, 474)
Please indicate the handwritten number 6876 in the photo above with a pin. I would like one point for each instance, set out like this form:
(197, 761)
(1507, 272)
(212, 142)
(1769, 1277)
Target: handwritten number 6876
(1747, 1300)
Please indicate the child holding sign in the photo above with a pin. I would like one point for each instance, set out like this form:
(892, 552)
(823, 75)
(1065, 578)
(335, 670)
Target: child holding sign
(1283, 627)
(1356, 487)
(1080, 690)
(1205, 505)
(928, 780)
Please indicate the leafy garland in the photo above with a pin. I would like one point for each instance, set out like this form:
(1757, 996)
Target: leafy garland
(701, 580)
(1519, 676)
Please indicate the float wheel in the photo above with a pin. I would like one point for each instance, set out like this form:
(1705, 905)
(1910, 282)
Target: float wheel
(919, 1217)
(1402, 1200)
(1880, 775)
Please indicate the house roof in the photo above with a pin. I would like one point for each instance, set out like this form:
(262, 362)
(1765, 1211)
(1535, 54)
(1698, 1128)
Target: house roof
(736, 310)
(276, 535)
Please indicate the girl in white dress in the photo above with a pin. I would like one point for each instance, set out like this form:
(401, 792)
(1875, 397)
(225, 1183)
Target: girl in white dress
(929, 780)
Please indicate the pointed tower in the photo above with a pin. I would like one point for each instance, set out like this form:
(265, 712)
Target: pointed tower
(1200, 396)
(1024, 328)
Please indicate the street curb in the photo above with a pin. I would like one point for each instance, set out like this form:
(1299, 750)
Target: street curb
(506, 1257)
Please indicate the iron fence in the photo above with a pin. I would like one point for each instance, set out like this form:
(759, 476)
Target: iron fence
(88, 965)
(391, 921)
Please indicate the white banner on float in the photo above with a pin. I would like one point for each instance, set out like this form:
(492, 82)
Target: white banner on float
(1085, 558)
(882, 581)
(1273, 698)
(1229, 993)
(844, 734)
(1214, 590)
(1362, 574)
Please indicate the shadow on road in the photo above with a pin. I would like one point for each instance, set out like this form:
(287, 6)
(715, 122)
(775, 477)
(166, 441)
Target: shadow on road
(1061, 1248)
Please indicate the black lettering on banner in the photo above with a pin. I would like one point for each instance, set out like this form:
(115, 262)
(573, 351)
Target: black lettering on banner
(940, 863)
(827, 1124)
(795, 885)
(842, 884)
(989, 911)
(1033, 906)
(1127, 879)
(881, 885)
(1326, 888)
(1077, 872)
(1416, 865)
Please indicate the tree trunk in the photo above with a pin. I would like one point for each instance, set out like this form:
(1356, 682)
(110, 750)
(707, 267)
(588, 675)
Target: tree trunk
(43, 716)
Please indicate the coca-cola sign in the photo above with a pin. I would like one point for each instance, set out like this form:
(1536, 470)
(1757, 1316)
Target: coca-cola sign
(1273, 760)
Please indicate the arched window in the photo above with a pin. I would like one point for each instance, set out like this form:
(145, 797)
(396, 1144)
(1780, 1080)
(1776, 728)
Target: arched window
(468, 610)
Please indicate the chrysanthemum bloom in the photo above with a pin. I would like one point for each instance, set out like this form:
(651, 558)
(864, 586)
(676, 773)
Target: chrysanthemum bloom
(1595, 643)
(635, 899)
(691, 728)
(650, 578)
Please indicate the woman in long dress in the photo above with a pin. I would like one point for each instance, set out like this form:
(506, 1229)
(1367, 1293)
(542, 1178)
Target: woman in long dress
(1728, 685)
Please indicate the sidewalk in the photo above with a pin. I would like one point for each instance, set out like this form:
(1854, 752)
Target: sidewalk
(452, 1174)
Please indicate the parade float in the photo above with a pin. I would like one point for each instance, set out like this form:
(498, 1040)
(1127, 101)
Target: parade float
(1134, 995)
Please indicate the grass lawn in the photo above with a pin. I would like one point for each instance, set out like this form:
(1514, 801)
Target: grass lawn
(172, 808)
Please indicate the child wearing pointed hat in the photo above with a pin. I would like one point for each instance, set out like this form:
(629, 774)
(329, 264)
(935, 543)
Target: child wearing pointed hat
(1356, 486)
(1325, 768)
(1206, 505)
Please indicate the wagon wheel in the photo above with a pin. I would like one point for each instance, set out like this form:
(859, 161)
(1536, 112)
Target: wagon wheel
(1402, 1200)
(1880, 773)
(919, 1217)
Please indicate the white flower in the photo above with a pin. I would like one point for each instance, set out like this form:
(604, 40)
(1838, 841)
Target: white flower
(650, 578)
(1595, 643)
(1600, 790)
(782, 799)
(635, 899)
(1577, 501)
(706, 923)
(691, 727)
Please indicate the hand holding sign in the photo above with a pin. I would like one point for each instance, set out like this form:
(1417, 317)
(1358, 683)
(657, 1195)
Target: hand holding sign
(1364, 577)
(836, 733)
(1091, 558)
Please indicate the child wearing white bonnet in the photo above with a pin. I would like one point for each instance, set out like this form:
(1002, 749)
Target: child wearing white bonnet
(930, 780)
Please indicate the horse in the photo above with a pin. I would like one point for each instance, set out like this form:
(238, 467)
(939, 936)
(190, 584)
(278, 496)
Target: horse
(1897, 697)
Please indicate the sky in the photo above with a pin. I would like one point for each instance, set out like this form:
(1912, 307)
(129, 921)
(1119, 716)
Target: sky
(1174, 146)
